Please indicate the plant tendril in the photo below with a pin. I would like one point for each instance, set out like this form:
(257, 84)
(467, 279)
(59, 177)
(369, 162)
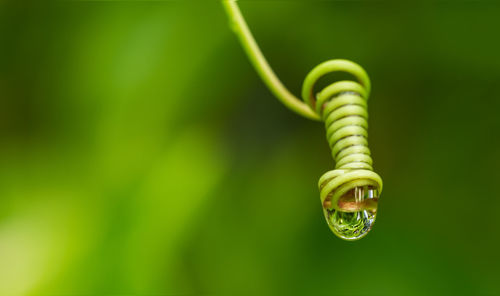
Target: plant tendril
(342, 106)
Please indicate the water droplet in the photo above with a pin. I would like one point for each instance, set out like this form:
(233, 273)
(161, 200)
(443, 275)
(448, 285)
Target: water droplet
(356, 214)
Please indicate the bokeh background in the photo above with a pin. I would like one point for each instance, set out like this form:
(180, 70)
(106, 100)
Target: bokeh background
(140, 153)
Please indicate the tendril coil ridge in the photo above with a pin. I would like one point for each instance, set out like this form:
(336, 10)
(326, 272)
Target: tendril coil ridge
(342, 106)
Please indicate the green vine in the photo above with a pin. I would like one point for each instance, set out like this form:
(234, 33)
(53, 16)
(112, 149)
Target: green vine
(239, 26)
(349, 194)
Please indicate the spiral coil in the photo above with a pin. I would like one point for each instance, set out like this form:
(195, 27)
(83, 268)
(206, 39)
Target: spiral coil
(343, 107)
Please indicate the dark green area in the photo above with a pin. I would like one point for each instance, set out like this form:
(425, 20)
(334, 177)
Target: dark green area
(141, 154)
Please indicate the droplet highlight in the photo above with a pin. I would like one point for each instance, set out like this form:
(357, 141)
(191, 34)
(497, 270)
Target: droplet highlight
(357, 210)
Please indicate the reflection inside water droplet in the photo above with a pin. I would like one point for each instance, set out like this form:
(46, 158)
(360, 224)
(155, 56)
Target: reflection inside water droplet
(356, 214)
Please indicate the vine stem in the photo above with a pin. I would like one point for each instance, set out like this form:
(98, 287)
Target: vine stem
(239, 26)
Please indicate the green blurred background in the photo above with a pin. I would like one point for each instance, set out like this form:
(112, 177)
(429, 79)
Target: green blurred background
(141, 154)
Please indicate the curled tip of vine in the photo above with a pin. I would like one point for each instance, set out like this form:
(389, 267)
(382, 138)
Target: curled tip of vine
(349, 193)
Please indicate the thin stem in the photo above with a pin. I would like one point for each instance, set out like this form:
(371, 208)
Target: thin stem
(258, 60)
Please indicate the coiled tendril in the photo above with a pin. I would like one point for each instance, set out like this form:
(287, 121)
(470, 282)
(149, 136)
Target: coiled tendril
(349, 194)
